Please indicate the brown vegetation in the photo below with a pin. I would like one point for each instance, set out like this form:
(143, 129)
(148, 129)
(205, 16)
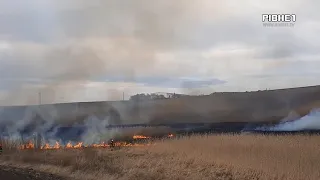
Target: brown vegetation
(260, 106)
(197, 157)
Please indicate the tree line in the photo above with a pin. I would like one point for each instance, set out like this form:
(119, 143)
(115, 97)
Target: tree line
(153, 96)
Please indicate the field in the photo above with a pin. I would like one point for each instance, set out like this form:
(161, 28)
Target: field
(259, 106)
(222, 157)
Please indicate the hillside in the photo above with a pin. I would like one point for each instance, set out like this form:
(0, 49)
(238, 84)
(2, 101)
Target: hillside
(260, 106)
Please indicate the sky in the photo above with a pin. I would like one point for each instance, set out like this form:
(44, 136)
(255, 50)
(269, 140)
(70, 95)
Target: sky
(79, 50)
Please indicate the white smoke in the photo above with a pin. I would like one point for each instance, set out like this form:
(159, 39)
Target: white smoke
(292, 116)
(96, 131)
(38, 118)
(310, 121)
(24, 123)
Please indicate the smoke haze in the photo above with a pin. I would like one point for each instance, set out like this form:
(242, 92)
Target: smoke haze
(126, 38)
(61, 47)
(308, 122)
(69, 50)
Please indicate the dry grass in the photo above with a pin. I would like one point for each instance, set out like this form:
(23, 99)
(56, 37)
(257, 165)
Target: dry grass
(197, 157)
(10, 145)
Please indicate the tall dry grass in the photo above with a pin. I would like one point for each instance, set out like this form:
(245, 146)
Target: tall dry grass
(9, 144)
(197, 157)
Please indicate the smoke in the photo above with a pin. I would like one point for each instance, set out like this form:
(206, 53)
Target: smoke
(96, 131)
(88, 42)
(309, 122)
(42, 120)
(95, 40)
(22, 123)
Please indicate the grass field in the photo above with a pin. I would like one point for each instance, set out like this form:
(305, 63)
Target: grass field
(197, 157)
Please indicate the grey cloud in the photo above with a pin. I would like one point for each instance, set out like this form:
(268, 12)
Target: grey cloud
(287, 45)
(163, 24)
(28, 27)
(158, 24)
(13, 75)
(201, 83)
(169, 82)
(137, 30)
(305, 69)
(129, 51)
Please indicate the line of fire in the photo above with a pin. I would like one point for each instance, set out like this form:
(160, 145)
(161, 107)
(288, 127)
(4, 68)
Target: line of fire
(137, 140)
(69, 137)
(38, 142)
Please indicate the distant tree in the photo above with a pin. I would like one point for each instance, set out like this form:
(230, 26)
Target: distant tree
(175, 95)
(158, 96)
(137, 97)
(144, 97)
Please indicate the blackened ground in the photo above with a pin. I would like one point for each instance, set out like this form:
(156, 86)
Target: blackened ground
(74, 133)
(12, 173)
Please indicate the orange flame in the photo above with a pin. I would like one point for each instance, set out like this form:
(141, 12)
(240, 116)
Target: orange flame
(29, 145)
(46, 146)
(79, 145)
(69, 145)
(140, 137)
(57, 146)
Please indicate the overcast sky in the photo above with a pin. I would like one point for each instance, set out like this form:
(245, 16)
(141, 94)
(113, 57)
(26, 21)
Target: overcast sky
(80, 50)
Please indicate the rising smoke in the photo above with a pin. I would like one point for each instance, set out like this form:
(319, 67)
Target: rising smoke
(43, 120)
(309, 122)
(100, 39)
(94, 40)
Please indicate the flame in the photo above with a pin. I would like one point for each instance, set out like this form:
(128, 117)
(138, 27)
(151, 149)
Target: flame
(79, 145)
(103, 144)
(46, 146)
(29, 145)
(99, 145)
(69, 145)
(140, 137)
(57, 146)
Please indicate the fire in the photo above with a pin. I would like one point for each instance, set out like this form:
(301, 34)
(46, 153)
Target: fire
(29, 145)
(57, 146)
(69, 145)
(79, 145)
(46, 146)
(140, 137)
(99, 145)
